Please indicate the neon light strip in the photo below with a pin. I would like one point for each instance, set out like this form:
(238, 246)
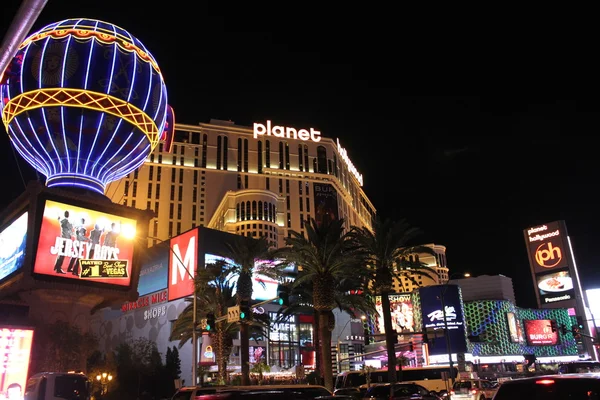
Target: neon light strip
(115, 153)
(30, 158)
(133, 162)
(103, 37)
(42, 54)
(108, 87)
(45, 169)
(62, 109)
(80, 98)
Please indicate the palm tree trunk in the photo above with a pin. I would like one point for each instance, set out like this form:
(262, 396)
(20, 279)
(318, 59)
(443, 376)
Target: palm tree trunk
(389, 337)
(325, 335)
(245, 353)
(317, 345)
(219, 345)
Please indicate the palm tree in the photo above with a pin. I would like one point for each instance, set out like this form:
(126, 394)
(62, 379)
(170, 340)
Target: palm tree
(385, 252)
(214, 291)
(347, 298)
(326, 260)
(245, 253)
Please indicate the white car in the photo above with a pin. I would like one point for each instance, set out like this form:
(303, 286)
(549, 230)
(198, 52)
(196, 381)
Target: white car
(473, 389)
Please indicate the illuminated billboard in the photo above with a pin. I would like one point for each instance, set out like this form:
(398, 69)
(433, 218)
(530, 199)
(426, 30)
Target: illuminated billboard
(433, 317)
(263, 287)
(81, 244)
(154, 271)
(13, 239)
(539, 332)
(514, 328)
(555, 286)
(593, 302)
(551, 264)
(183, 259)
(15, 350)
(402, 313)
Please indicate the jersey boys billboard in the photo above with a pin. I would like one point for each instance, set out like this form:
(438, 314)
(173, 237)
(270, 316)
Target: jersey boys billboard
(83, 244)
(551, 264)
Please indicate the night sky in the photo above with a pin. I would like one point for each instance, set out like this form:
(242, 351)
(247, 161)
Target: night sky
(471, 128)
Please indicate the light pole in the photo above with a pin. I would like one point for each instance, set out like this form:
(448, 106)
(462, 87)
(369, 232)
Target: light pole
(194, 316)
(446, 332)
(104, 379)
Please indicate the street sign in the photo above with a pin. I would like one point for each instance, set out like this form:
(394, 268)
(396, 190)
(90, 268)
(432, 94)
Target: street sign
(233, 314)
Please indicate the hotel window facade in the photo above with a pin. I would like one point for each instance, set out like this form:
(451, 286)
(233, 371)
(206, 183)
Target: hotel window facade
(251, 196)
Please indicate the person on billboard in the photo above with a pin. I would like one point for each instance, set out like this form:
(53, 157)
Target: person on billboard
(14, 392)
(95, 238)
(111, 237)
(66, 232)
(80, 232)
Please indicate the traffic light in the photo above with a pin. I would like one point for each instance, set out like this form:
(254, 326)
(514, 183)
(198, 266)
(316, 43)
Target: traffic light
(576, 330)
(284, 296)
(245, 311)
(210, 322)
(563, 329)
(553, 326)
(366, 331)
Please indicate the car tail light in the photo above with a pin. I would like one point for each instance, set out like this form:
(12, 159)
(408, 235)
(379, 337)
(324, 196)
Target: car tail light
(473, 391)
(545, 381)
(452, 393)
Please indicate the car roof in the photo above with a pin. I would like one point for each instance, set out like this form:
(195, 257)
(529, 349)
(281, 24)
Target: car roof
(555, 377)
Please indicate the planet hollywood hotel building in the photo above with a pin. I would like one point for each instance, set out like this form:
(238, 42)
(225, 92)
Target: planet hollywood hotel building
(260, 181)
(264, 180)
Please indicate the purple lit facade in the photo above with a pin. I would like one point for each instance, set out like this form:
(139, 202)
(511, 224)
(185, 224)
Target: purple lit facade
(84, 103)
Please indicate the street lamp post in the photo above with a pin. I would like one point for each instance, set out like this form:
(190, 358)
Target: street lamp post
(446, 332)
(104, 379)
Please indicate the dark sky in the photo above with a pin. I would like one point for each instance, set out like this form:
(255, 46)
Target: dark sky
(472, 126)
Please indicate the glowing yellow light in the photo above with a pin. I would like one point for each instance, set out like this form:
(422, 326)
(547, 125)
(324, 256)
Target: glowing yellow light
(90, 33)
(128, 231)
(63, 97)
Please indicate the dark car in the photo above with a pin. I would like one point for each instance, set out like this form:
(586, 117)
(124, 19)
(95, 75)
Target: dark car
(552, 387)
(402, 391)
(284, 392)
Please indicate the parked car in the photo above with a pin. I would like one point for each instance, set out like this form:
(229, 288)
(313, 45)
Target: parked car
(402, 391)
(286, 392)
(551, 387)
(473, 389)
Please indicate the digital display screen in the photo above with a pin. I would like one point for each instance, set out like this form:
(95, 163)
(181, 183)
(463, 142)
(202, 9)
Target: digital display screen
(433, 317)
(13, 240)
(539, 332)
(15, 350)
(402, 313)
(77, 243)
(263, 287)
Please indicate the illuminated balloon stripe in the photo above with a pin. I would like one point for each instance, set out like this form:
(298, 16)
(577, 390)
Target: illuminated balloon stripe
(54, 97)
(103, 37)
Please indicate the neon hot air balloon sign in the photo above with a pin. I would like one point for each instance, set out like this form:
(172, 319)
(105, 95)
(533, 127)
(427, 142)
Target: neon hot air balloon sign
(84, 102)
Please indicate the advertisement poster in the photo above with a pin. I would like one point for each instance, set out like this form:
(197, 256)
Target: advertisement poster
(555, 286)
(183, 259)
(326, 204)
(433, 317)
(15, 350)
(207, 353)
(258, 353)
(263, 287)
(83, 244)
(402, 313)
(539, 333)
(514, 329)
(546, 247)
(154, 271)
(13, 239)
